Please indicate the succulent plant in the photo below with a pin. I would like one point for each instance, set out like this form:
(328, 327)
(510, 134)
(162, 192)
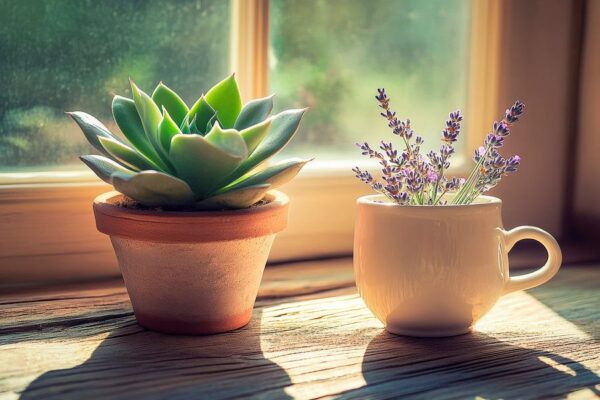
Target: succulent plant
(207, 156)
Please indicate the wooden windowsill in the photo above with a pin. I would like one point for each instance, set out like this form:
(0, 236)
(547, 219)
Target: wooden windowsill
(310, 337)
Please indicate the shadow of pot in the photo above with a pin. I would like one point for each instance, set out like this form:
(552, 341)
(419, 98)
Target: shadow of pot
(132, 363)
(468, 366)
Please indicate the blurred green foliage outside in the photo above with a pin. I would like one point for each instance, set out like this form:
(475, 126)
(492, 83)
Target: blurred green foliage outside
(329, 55)
(67, 55)
(332, 55)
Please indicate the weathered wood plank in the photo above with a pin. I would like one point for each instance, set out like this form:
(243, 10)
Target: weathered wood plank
(34, 309)
(302, 343)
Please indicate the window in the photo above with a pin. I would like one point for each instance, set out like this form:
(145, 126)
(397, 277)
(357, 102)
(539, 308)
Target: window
(60, 56)
(331, 55)
(328, 55)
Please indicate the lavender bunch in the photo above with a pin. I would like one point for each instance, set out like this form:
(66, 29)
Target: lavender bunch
(411, 178)
(490, 166)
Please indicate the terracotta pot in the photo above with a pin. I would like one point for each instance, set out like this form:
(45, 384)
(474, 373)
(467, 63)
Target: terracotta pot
(436, 270)
(192, 272)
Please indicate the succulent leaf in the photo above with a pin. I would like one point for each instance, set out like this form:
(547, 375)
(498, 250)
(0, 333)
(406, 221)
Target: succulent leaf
(275, 175)
(104, 167)
(92, 129)
(253, 112)
(185, 125)
(153, 188)
(239, 198)
(193, 128)
(225, 99)
(129, 122)
(255, 134)
(149, 114)
(163, 96)
(211, 123)
(127, 156)
(200, 163)
(228, 140)
(167, 129)
(283, 127)
(203, 113)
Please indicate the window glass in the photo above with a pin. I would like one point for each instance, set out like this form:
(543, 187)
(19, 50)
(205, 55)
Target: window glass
(332, 55)
(62, 55)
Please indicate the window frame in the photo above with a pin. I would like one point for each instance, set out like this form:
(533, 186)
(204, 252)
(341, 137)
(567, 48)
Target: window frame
(46, 218)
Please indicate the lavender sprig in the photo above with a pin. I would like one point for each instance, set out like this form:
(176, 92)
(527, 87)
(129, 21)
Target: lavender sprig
(489, 167)
(409, 178)
(399, 128)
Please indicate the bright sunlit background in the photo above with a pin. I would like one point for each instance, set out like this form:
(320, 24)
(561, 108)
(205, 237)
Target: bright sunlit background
(432, 56)
(329, 55)
(332, 56)
(76, 57)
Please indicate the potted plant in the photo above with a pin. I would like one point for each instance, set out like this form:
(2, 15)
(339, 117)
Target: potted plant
(194, 214)
(430, 252)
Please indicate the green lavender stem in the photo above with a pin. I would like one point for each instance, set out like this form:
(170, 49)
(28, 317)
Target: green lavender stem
(473, 178)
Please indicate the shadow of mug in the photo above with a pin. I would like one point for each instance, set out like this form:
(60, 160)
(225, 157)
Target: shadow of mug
(135, 363)
(469, 366)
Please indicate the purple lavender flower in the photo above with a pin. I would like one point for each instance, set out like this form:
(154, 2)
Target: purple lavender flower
(382, 98)
(367, 177)
(512, 164)
(479, 152)
(501, 128)
(390, 115)
(454, 183)
(408, 177)
(493, 141)
(414, 181)
(387, 147)
(435, 160)
(368, 151)
(456, 116)
(450, 134)
(389, 170)
(377, 186)
(515, 111)
(364, 176)
(391, 153)
(400, 128)
(446, 151)
(499, 162)
(431, 176)
(401, 198)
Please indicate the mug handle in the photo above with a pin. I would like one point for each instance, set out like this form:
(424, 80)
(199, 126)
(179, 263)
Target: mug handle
(545, 273)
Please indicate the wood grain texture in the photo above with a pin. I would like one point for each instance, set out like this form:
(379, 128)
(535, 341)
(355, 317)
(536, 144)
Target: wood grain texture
(310, 337)
(49, 232)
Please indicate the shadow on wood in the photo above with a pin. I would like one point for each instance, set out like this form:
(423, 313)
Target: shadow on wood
(574, 295)
(134, 363)
(468, 366)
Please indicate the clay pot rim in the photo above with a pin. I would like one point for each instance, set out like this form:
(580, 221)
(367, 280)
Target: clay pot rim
(190, 226)
(105, 204)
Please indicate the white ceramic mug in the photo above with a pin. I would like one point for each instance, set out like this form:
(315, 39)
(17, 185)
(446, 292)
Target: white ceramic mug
(436, 270)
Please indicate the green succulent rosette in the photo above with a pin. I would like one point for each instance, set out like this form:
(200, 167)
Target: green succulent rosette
(207, 156)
